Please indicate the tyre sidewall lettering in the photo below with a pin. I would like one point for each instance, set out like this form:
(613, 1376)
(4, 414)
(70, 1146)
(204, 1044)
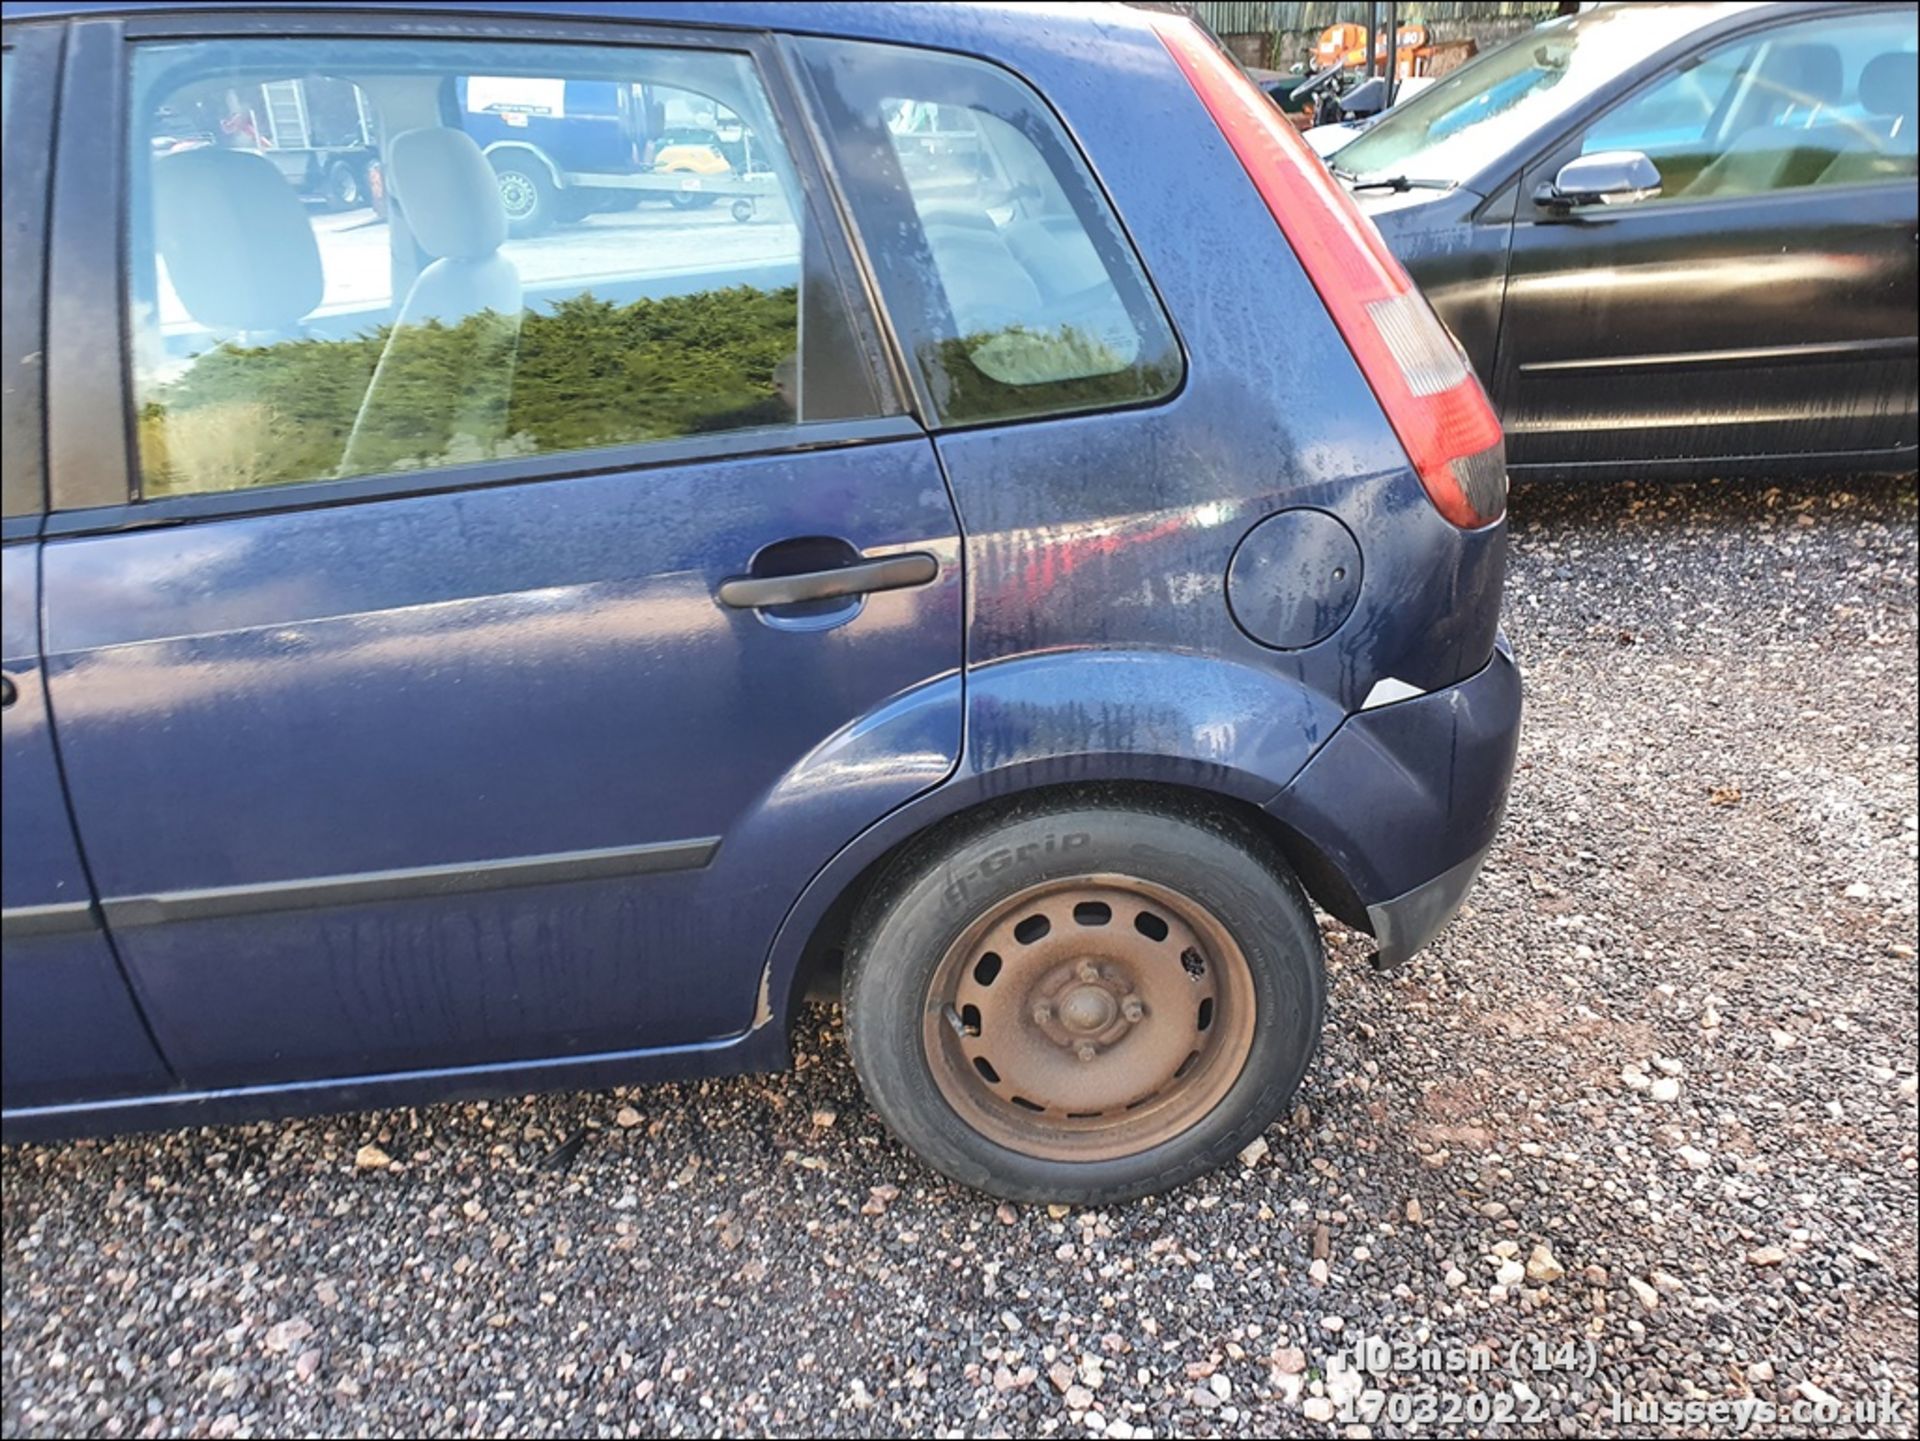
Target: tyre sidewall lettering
(963, 891)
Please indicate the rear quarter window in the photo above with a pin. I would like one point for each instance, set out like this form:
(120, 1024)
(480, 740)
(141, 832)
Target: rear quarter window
(1007, 275)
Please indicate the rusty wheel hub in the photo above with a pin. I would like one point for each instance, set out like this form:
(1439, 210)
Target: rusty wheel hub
(1086, 1006)
(1089, 1019)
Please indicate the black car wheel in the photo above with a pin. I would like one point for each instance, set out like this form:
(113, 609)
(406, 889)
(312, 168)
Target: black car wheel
(1084, 1001)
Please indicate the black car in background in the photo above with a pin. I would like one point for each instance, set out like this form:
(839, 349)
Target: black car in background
(1673, 238)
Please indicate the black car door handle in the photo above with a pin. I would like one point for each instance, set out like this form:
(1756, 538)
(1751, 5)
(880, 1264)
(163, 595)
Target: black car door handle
(893, 573)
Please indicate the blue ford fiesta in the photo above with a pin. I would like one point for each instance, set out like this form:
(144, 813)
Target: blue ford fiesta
(534, 532)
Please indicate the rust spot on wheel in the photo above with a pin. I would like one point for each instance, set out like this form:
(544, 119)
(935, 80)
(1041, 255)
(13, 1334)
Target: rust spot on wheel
(1105, 1015)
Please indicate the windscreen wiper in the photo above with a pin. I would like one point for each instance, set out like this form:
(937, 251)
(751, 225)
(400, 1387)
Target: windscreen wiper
(1396, 183)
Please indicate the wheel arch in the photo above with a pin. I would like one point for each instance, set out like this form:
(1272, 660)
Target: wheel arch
(805, 955)
(554, 172)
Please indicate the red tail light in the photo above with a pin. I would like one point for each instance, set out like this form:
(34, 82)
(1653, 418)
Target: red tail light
(1423, 382)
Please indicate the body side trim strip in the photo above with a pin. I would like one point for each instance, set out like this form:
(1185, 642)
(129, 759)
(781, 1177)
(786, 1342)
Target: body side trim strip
(1817, 350)
(413, 883)
(60, 918)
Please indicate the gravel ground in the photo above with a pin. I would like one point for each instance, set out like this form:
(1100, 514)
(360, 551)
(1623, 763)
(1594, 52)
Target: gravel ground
(1641, 1127)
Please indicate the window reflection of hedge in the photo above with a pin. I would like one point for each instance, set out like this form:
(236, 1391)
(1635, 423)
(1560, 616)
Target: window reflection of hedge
(585, 373)
(1019, 370)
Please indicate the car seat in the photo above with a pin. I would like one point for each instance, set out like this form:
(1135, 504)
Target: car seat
(987, 288)
(1057, 254)
(1883, 148)
(1771, 155)
(433, 398)
(238, 247)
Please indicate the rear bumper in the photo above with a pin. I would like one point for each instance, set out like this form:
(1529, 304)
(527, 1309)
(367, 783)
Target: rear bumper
(1406, 923)
(1404, 800)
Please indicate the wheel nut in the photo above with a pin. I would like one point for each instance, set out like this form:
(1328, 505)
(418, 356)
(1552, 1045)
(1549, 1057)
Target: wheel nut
(1088, 972)
(1086, 1050)
(1042, 1013)
(1132, 1008)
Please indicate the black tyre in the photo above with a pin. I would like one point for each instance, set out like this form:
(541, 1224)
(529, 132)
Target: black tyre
(527, 193)
(691, 199)
(344, 188)
(1084, 1000)
(742, 210)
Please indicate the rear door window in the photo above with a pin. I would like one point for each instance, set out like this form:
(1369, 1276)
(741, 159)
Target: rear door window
(358, 257)
(1007, 275)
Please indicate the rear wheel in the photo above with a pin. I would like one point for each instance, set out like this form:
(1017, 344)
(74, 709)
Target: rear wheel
(527, 194)
(1087, 1003)
(344, 188)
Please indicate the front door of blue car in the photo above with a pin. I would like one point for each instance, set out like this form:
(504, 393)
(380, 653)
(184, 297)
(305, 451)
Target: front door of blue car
(491, 636)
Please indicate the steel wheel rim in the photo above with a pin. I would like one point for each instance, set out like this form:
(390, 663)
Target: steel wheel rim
(516, 194)
(1090, 1018)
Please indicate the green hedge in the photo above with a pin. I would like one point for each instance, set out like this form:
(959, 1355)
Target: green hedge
(585, 373)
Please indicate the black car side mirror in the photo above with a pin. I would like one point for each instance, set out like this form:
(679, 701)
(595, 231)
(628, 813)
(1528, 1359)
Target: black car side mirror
(1608, 177)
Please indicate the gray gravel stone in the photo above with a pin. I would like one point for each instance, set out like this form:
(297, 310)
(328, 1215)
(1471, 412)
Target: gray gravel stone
(1707, 875)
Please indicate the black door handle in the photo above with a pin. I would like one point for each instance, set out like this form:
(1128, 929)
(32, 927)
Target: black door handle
(893, 573)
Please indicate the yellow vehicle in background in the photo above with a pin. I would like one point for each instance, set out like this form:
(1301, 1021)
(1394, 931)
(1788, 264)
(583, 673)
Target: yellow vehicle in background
(693, 152)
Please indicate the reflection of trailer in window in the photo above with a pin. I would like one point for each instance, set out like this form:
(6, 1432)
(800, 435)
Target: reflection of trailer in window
(565, 149)
(321, 134)
(941, 149)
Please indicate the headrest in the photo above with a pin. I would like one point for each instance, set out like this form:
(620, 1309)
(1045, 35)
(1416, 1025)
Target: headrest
(1889, 83)
(448, 191)
(1812, 71)
(238, 246)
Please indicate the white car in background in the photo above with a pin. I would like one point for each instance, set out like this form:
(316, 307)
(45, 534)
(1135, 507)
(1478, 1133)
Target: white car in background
(1325, 139)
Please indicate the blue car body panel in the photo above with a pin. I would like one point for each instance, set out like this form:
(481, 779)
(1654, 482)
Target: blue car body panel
(507, 677)
(396, 694)
(1407, 783)
(69, 1029)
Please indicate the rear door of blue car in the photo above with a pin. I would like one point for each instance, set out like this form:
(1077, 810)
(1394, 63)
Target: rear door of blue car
(440, 687)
